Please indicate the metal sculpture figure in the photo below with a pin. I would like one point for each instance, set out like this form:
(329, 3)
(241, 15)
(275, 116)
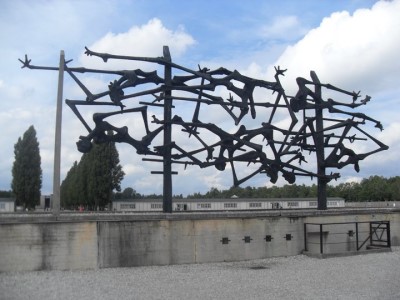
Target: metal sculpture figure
(316, 132)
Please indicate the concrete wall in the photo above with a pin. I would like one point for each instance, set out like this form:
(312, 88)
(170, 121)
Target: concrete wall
(44, 246)
(126, 244)
(104, 241)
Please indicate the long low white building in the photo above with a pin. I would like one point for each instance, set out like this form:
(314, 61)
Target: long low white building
(7, 204)
(139, 205)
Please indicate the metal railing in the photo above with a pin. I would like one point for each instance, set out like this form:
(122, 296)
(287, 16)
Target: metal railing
(347, 236)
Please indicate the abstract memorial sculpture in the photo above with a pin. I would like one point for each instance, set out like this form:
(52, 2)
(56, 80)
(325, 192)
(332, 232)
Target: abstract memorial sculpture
(311, 123)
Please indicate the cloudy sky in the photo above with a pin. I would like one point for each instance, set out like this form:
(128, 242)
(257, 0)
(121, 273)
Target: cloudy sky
(353, 44)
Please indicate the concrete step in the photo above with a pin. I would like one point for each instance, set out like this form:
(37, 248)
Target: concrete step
(347, 253)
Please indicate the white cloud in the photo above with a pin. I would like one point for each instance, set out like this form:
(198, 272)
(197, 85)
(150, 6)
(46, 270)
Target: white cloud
(391, 134)
(133, 169)
(359, 51)
(391, 137)
(146, 40)
(355, 51)
(283, 28)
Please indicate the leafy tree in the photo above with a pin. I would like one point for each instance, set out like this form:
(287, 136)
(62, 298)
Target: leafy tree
(195, 196)
(394, 188)
(105, 173)
(69, 194)
(213, 193)
(5, 194)
(128, 193)
(349, 191)
(26, 170)
(374, 188)
(153, 196)
(91, 181)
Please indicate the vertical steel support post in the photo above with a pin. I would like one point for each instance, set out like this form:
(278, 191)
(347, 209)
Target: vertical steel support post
(389, 242)
(57, 142)
(370, 233)
(305, 237)
(319, 144)
(167, 172)
(357, 236)
(321, 240)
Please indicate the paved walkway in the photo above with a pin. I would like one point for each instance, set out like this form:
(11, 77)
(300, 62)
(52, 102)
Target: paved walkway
(372, 276)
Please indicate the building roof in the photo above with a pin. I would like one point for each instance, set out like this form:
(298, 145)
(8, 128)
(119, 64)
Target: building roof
(7, 199)
(228, 200)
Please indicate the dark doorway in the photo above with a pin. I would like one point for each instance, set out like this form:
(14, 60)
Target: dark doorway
(46, 202)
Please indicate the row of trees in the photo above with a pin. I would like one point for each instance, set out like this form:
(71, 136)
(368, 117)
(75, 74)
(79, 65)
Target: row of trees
(6, 194)
(374, 188)
(91, 181)
(130, 193)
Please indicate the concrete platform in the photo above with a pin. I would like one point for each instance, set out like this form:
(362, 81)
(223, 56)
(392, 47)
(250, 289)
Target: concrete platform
(80, 241)
(41, 217)
(348, 253)
(366, 277)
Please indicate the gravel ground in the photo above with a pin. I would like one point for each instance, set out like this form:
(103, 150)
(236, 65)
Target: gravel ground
(372, 276)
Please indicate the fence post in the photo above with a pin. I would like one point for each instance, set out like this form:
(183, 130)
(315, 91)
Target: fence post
(321, 245)
(389, 242)
(305, 237)
(357, 236)
(370, 233)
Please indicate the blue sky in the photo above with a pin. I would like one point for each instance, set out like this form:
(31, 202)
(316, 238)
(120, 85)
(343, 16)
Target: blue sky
(351, 44)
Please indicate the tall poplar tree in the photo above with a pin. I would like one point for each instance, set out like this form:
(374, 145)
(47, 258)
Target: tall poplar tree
(92, 181)
(68, 188)
(26, 171)
(105, 174)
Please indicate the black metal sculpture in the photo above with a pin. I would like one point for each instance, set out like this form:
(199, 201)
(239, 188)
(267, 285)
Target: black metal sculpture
(311, 126)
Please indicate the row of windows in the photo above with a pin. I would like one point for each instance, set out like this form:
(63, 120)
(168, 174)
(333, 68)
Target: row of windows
(230, 205)
(275, 205)
(128, 206)
(226, 205)
(156, 205)
(133, 206)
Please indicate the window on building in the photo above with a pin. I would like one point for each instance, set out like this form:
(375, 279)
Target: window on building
(332, 203)
(181, 206)
(276, 205)
(293, 204)
(312, 203)
(128, 206)
(156, 205)
(255, 204)
(203, 205)
(2, 206)
(230, 205)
